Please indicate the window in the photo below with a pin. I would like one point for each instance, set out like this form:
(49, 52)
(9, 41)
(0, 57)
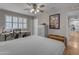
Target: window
(20, 22)
(13, 22)
(8, 22)
(24, 23)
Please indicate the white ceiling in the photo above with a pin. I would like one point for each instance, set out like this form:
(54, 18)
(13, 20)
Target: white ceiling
(19, 7)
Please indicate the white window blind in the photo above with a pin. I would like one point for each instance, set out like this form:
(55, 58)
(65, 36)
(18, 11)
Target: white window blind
(8, 22)
(13, 22)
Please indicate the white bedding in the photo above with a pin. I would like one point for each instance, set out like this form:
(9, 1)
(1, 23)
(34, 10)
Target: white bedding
(32, 45)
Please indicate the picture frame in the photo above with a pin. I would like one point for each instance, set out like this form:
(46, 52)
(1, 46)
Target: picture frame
(54, 21)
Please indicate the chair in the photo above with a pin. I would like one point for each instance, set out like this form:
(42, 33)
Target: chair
(2, 37)
(16, 33)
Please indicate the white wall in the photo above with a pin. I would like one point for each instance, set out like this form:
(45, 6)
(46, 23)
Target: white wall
(35, 26)
(44, 18)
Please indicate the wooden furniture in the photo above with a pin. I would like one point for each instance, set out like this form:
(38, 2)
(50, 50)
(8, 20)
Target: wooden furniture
(57, 37)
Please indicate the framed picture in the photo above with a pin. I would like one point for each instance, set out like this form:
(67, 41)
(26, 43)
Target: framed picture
(54, 21)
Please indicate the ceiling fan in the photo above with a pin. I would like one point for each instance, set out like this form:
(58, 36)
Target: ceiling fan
(35, 8)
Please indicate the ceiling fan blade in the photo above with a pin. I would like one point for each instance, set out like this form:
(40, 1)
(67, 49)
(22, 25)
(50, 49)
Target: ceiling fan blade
(41, 6)
(41, 11)
(27, 9)
(29, 4)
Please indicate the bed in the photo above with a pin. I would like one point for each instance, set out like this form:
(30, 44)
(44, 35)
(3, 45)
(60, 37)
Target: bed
(32, 45)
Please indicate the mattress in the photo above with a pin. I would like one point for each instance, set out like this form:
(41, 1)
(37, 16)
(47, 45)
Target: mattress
(32, 45)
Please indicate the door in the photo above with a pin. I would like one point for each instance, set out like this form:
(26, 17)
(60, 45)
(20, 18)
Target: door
(73, 32)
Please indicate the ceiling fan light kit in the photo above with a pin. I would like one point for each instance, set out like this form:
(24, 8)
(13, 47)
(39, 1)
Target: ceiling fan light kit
(35, 11)
(35, 8)
(31, 10)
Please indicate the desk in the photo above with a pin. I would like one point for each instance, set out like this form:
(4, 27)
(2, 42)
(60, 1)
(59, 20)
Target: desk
(25, 33)
(21, 34)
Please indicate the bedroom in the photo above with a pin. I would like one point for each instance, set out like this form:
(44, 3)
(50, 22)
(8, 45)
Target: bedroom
(31, 29)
